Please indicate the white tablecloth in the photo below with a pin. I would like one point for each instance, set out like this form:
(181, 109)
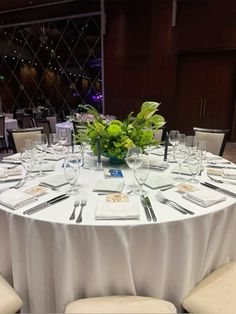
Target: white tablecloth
(10, 124)
(53, 261)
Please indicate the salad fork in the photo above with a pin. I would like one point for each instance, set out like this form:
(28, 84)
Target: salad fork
(173, 204)
(82, 204)
(76, 204)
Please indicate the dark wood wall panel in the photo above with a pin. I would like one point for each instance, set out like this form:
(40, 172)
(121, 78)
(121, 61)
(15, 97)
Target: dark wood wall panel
(138, 58)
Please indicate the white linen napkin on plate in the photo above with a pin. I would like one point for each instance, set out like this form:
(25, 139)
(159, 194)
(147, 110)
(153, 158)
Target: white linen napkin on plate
(204, 198)
(109, 185)
(229, 173)
(14, 198)
(156, 182)
(116, 210)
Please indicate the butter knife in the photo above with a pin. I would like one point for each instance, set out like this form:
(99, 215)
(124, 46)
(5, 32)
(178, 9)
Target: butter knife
(46, 204)
(149, 205)
(214, 187)
(143, 201)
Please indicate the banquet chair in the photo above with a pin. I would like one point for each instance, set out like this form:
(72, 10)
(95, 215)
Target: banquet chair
(27, 121)
(215, 139)
(216, 293)
(120, 304)
(53, 121)
(18, 137)
(2, 132)
(45, 124)
(10, 302)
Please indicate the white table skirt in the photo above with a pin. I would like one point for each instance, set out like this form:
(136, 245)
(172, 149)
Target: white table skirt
(52, 261)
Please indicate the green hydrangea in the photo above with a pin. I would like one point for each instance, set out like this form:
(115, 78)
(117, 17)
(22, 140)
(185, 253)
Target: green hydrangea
(117, 136)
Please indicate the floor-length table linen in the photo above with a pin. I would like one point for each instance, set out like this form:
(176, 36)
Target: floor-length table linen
(53, 261)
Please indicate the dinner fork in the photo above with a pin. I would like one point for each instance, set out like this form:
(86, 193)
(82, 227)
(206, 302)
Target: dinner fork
(175, 205)
(76, 204)
(82, 204)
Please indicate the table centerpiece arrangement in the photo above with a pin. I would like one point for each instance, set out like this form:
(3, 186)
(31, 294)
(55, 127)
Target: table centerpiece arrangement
(116, 136)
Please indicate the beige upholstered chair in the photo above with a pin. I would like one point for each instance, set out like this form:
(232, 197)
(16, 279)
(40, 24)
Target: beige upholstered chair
(215, 294)
(120, 304)
(10, 302)
(18, 137)
(214, 138)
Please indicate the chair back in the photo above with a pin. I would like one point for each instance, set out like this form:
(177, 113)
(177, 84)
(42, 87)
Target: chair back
(10, 302)
(2, 126)
(215, 139)
(45, 124)
(53, 121)
(27, 121)
(18, 137)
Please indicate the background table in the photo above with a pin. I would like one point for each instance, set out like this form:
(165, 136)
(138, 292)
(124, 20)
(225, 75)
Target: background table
(68, 126)
(52, 261)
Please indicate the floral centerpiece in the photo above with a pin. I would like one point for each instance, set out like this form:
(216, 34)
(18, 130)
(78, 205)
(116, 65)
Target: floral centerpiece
(117, 136)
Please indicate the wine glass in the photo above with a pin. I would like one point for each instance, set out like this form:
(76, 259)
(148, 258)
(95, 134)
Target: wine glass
(41, 143)
(180, 154)
(53, 141)
(194, 164)
(141, 172)
(132, 158)
(71, 171)
(27, 161)
(173, 137)
(191, 141)
(202, 147)
(62, 136)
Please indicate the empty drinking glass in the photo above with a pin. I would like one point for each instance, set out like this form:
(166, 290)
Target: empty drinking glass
(132, 159)
(71, 171)
(141, 172)
(194, 164)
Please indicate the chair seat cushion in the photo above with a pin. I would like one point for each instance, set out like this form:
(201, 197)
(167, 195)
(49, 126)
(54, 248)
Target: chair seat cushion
(120, 304)
(215, 294)
(10, 302)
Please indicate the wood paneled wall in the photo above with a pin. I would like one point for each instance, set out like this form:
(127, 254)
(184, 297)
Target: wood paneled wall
(141, 47)
(138, 55)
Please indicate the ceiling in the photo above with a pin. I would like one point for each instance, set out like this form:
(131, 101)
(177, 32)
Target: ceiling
(23, 11)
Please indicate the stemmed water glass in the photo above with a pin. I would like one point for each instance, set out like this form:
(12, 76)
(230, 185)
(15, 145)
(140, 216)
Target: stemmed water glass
(194, 164)
(71, 171)
(202, 147)
(27, 161)
(173, 137)
(53, 141)
(180, 154)
(141, 172)
(62, 138)
(40, 151)
(132, 160)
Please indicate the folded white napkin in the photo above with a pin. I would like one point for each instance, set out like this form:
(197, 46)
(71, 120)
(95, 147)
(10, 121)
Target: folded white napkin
(56, 180)
(44, 167)
(156, 163)
(229, 173)
(15, 157)
(204, 198)
(14, 198)
(109, 185)
(184, 170)
(117, 210)
(157, 181)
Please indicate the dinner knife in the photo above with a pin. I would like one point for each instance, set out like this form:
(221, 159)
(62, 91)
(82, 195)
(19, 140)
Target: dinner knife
(143, 201)
(43, 205)
(149, 205)
(214, 187)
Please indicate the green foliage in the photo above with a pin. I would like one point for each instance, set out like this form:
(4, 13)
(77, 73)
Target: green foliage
(117, 136)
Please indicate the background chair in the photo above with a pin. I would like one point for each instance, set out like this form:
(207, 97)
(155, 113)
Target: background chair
(53, 121)
(120, 304)
(215, 138)
(18, 137)
(2, 132)
(216, 293)
(27, 121)
(10, 302)
(45, 124)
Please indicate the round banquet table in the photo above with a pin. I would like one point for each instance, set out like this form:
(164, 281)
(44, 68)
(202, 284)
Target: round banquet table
(51, 260)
